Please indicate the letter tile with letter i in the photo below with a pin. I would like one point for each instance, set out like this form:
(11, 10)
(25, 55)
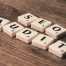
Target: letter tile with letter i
(58, 48)
(55, 31)
(26, 19)
(42, 41)
(3, 22)
(26, 35)
(40, 24)
(12, 28)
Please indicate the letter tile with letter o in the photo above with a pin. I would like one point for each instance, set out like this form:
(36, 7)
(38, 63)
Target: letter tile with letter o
(55, 31)
(26, 35)
(12, 28)
(27, 19)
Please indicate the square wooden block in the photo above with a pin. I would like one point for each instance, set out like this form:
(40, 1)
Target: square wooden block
(26, 35)
(40, 24)
(55, 31)
(58, 48)
(42, 41)
(26, 19)
(3, 22)
(12, 28)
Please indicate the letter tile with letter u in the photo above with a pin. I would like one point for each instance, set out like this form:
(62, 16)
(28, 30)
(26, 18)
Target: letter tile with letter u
(12, 28)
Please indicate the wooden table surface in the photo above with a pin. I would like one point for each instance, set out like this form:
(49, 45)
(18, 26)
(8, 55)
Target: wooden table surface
(14, 52)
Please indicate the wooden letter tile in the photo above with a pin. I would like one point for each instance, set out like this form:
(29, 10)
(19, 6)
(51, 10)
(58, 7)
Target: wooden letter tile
(58, 48)
(3, 22)
(42, 41)
(26, 35)
(12, 28)
(40, 24)
(55, 31)
(26, 19)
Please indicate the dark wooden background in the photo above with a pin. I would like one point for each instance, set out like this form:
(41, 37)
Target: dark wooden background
(14, 52)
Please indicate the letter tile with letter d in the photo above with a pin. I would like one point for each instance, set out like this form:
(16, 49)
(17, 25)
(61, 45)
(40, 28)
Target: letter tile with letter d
(3, 22)
(12, 28)
(26, 35)
(42, 41)
(58, 48)
(26, 19)
(55, 31)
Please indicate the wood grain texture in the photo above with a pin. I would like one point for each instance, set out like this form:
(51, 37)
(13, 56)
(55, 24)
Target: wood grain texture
(14, 52)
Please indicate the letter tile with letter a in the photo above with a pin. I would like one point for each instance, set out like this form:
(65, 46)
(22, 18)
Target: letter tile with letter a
(3, 22)
(40, 24)
(55, 31)
(26, 19)
(26, 35)
(58, 48)
(12, 28)
(42, 41)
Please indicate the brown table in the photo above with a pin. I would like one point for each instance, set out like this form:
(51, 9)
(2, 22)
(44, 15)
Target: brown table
(14, 52)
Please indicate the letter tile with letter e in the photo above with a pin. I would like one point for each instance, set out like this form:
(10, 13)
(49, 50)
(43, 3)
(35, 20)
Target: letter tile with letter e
(58, 48)
(26, 19)
(3, 22)
(40, 24)
(55, 31)
(42, 41)
(12, 28)
(26, 35)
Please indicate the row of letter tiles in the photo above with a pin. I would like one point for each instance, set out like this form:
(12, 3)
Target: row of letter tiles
(39, 40)
(42, 25)
(42, 41)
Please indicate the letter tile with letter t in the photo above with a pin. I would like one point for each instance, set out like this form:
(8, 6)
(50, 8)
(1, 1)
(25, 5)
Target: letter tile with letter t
(3, 22)
(12, 28)
(26, 35)
(58, 48)
(40, 24)
(42, 41)
(55, 31)
(26, 19)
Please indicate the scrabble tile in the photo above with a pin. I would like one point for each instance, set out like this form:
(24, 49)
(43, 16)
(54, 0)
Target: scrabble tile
(42, 41)
(12, 28)
(3, 22)
(58, 48)
(26, 35)
(55, 31)
(26, 19)
(40, 24)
